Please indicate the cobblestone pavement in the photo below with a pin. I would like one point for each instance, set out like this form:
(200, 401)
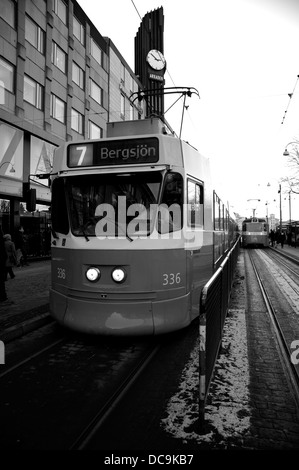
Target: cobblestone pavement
(275, 417)
(28, 297)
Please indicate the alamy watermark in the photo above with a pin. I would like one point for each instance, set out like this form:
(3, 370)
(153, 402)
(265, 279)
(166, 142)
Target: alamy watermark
(138, 221)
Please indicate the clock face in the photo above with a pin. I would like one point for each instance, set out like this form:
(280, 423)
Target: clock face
(156, 59)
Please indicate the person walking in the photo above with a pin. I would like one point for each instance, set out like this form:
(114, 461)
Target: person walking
(3, 257)
(11, 256)
(272, 237)
(282, 238)
(276, 237)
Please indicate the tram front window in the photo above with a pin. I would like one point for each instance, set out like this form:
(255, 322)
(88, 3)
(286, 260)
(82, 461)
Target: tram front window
(106, 204)
(117, 204)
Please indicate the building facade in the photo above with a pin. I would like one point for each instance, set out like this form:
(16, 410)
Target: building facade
(60, 80)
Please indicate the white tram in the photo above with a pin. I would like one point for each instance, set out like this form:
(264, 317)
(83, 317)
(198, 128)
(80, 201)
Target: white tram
(137, 231)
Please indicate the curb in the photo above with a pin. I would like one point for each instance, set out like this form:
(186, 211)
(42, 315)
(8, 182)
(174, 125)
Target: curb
(25, 327)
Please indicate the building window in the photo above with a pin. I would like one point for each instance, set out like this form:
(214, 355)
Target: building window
(79, 31)
(60, 10)
(78, 75)
(122, 106)
(96, 51)
(94, 132)
(33, 92)
(58, 109)
(96, 92)
(76, 121)
(8, 12)
(35, 35)
(131, 112)
(7, 72)
(58, 57)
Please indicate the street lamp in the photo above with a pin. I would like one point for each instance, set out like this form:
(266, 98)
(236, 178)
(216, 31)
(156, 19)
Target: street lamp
(286, 153)
(279, 192)
(280, 218)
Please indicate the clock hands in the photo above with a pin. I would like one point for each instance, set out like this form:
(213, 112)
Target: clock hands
(158, 60)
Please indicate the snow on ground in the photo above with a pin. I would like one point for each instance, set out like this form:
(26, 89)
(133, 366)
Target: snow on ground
(227, 412)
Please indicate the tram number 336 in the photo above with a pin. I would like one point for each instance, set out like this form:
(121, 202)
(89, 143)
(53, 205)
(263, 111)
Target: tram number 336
(171, 278)
(61, 273)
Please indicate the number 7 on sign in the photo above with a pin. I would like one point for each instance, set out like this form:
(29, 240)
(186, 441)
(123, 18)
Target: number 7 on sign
(83, 152)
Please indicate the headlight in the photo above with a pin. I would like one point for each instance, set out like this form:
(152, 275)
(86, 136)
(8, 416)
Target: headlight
(119, 275)
(93, 274)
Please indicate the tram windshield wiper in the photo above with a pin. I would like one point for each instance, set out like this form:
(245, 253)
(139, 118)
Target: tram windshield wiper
(54, 234)
(83, 227)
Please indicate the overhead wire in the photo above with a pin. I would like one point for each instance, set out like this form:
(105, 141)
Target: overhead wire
(290, 95)
(136, 10)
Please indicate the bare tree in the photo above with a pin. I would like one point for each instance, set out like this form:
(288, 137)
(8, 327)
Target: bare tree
(293, 164)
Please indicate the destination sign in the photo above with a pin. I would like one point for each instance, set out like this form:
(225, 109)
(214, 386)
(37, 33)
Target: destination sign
(115, 152)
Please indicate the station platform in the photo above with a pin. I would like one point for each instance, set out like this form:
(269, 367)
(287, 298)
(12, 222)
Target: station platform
(291, 250)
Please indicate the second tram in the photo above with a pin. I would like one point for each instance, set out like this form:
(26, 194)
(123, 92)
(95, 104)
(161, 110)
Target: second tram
(255, 232)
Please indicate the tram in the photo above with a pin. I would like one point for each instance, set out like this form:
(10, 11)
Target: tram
(255, 232)
(137, 231)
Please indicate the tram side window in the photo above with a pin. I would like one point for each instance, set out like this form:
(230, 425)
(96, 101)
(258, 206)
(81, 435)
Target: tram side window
(58, 207)
(222, 212)
(195, 204)
(172, 197)
(217, 216)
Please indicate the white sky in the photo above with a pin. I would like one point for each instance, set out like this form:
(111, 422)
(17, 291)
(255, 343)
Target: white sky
(243, 58)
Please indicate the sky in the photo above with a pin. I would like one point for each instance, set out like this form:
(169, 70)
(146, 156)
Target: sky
(243, 58)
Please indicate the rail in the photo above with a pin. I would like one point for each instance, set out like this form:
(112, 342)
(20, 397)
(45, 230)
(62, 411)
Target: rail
(214, 303)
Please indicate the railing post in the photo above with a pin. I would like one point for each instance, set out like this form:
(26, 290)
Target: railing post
(202, 366)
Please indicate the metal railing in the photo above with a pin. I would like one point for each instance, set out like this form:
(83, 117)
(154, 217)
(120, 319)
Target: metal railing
(214, 303)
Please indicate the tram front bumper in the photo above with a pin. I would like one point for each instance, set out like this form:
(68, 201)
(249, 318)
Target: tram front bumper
(120, 318)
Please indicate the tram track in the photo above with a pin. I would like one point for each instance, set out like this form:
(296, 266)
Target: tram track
(61, 393)
(95, 424)
(289, 262)
(281, 321)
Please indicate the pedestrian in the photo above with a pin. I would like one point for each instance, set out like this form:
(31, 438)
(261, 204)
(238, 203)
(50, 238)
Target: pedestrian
(282, 238)
(3, 257)
(21, 247)
(276, 237)
(289, 237)
(11, 256)
(272, 237)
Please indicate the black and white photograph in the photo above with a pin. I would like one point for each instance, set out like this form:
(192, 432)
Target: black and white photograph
(149, 231)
